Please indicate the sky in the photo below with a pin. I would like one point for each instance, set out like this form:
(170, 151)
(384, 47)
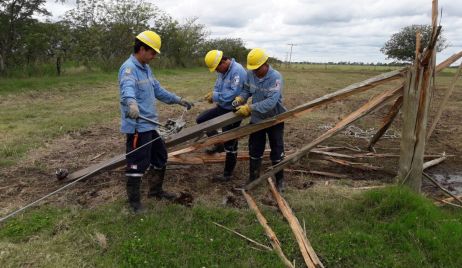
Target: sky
(321, 31)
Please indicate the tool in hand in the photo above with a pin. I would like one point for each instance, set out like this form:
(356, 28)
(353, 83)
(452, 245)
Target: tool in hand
(151, 121)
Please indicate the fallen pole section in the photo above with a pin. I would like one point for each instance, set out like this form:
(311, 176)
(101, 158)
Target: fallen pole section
(308, 253)
(226, 119)
(375, 103)
(269, 232)
(178, 138)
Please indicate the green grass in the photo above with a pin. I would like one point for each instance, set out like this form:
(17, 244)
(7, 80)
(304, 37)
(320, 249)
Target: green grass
(46, 83)
(37, 221)
(36, 110)
(167, 236)
(385, 228)
(390, 227)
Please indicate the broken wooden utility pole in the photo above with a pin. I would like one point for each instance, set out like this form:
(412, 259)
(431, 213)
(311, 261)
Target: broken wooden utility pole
(195, 131)
(394, 110)
(198, 130)
(226, 119)
(297, 111)
(316, 103)
(416, 101)
(372, 105)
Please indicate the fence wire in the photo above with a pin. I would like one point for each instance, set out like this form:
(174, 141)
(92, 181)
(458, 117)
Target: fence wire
(359, 133)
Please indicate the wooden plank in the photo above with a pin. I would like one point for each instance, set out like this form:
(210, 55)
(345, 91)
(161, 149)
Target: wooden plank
(200, 129)
(447, 62)
(348, 91)
(371, 155)
(388, 119)
(269, 232)
(443, 102)
(357, 165)
(337, 95)
(433, 162)
(450, 199)
(316, 172)
(297, 111)
(308, 253)
(375, 103)
(178, 138)
(201, 158)
(117, 161)
(111, 163)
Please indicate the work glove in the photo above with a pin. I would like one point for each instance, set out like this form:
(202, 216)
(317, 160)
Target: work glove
(243, 110)
(237, 101)
(209, 97)
(133, 111)
(186, 104)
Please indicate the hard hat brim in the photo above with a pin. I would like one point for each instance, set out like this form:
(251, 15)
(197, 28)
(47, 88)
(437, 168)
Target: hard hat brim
(253, 67)
(149, 45)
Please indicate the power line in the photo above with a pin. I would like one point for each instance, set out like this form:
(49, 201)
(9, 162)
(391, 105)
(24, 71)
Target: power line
(72, 183)
(290, 53)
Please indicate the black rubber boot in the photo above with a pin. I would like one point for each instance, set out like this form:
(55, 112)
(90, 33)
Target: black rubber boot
(279, 179)
(155, 182)
(133, 193)
(254, 169)
(230, 164)
(217, 148)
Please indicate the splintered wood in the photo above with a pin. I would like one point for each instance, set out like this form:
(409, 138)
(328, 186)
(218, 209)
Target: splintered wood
(196, 131)
(269, 232)
(417, 93)
(308, 253)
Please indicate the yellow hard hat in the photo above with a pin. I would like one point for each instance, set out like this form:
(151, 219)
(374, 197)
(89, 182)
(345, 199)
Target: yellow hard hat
(256, 58)
(151, 39)
(213, 58)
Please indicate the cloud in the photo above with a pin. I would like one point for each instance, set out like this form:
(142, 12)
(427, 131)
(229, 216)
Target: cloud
(335, 30)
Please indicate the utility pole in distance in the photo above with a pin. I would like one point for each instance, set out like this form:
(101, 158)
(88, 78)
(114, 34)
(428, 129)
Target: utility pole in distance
(290, 53)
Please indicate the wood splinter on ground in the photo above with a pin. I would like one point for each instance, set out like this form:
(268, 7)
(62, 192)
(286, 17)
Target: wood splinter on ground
(441, 187)
(243, 236)
(434, 162)
(308, 253)
(269, 232)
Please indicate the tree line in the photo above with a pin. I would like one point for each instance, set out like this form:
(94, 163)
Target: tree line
(100, 34)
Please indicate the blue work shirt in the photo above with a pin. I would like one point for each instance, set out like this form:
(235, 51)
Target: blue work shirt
(136, 82)
(266, 95)
(229, 85)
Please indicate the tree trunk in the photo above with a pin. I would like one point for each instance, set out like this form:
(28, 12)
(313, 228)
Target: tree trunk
(2, 64)
(58, 65)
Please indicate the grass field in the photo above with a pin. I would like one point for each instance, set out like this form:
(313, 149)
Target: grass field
(390, 227)
(381, 228)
